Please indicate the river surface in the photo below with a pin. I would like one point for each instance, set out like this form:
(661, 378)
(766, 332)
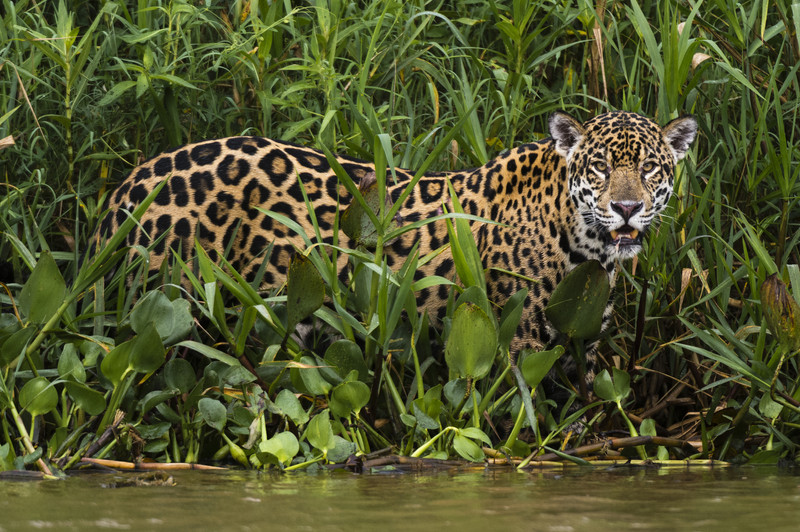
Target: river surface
(729, 499)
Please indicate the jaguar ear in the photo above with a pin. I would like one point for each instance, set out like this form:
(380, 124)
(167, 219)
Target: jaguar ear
(566, 131)
(679, 135)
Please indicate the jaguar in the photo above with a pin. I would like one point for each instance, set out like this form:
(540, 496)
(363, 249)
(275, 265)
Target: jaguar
(590, 191)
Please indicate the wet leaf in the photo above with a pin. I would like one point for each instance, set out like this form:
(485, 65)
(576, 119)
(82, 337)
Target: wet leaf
(472, 344)
(305, 291)
(70, 366)
(612, 390)
(577, 305)
(312, 378)
(117, 362)
(147, 351)
(44, 290)
(38, 397)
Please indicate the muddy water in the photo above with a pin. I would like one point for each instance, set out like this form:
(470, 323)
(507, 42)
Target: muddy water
(611, 499)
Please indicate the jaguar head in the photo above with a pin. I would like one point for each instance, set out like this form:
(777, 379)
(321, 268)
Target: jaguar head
(620, 168)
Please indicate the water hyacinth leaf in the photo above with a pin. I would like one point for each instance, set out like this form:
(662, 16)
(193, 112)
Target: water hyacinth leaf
(182, 321)
(290, 406)
(15, 345)
(44, 290)
(312, 378)
(475, 433)
(615, 389)
(147, 352)
(467, 448)
(179, 375)
(90, 401)
(117, 362)
(781, 312)
(350, 396)
(283, 446)
(356, 221)
(154, 307)
(422, 418)
(509, 318)
(341, 450)
(70, 366)
(346, 356)
(472, 344)
(305, 290)
(577, 305)
(37, 397)
(213, 412)
(319, 432)
(537, 365)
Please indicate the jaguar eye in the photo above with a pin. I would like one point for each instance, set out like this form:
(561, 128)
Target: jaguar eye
(600, 166)
(648, 167)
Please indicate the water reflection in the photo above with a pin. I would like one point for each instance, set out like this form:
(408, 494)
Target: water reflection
(619, 499)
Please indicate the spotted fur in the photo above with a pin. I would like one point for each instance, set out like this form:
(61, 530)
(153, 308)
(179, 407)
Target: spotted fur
(590, 191)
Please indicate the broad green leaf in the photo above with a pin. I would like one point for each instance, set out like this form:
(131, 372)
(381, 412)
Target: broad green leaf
(179, 374)
(357, 223)
(283, 446)
(213, 412)
(472, 344)
(577, 305)
(14, 345)
(349, 397)
(537, 365)
(90, 401)
(319, 432)
(155, 307)
(475, 433)
(341, 450)
(38, 397)
(312, 378)
(305, 291)
(70, 366)
(615, 389)
(467, 448)
(509, 318)
(117, 362)
(147, 352)
(44, 290)
(346, 356)
(290, 406)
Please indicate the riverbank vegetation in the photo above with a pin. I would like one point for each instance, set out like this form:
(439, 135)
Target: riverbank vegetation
(701, 352)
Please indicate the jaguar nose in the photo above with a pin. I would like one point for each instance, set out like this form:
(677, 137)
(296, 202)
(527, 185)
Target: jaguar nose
(626, 209)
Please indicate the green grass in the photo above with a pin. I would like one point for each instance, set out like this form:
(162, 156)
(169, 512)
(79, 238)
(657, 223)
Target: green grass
(88, 90)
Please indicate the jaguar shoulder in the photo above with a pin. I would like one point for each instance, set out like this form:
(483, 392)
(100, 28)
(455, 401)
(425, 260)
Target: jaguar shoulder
(590, 191)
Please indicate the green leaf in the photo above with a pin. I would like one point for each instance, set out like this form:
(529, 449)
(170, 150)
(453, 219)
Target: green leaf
(509, 318)
(117, 362)
(70, 366)
(90, 401)
(615, 389)
(14, 345)
(319, 432)
(349, 397)
(290, 406)
(577, 305)
(305, 291)
(179, 374)
(213, 412)
(38, 397)
(472, 344)
(147, 351)
(346, 356)
(357, 223)
(537, 365)
(467, 448)
(475, 433)
(209, 352)
(44, 290)
(312, 378)
(283, 446)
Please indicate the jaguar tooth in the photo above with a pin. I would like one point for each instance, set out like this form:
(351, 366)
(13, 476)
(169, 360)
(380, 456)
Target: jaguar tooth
(634, 234)
(614, 234)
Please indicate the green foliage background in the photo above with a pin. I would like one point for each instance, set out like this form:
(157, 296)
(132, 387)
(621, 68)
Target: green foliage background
(90, 89)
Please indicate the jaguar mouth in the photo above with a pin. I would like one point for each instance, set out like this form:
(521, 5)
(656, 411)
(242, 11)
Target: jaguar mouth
(625, 236)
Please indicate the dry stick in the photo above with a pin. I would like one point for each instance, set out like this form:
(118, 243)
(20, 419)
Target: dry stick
(148, 466)
(614, 443)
